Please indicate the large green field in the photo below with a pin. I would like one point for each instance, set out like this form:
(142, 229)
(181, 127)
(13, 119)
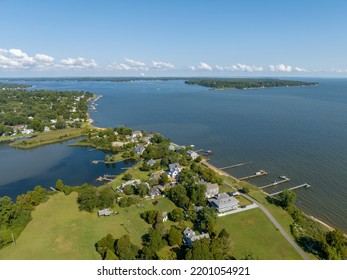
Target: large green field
(60, 231)
(252, 231)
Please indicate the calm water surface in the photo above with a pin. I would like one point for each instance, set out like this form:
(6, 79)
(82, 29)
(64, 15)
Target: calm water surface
(299, 132)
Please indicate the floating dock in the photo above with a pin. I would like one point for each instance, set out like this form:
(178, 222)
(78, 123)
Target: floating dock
(257, 174)
(293, 188)
(284, 179)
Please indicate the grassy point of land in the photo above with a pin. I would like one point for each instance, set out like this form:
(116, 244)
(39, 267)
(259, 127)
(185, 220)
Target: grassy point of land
(59, 230)
(50, 137)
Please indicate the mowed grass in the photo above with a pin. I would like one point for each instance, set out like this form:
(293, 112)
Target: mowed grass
(59, 230)
(50, 137)
(252, 231)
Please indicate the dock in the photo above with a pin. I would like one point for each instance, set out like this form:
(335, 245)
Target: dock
(106, 177)
(284, 179)
(235, 165)
(257, 174)
(293, 188)
(96, 161)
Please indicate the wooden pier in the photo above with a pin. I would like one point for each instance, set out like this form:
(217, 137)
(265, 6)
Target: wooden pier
(293, 188)
(257, 174)
(106, 177)
(275, 183)
(235, 165)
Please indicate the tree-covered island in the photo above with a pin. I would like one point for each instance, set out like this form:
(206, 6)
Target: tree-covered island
(236, 83)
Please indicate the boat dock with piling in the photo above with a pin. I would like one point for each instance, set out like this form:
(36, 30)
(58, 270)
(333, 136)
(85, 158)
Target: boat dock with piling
(257, 174)
(293, 188)
(284, 179)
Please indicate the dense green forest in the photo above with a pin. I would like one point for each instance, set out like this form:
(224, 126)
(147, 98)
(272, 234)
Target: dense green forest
(22, 110)
(246, 83)
(5, 86)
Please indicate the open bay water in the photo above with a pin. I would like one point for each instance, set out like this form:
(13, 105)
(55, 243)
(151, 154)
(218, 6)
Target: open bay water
(299, 132)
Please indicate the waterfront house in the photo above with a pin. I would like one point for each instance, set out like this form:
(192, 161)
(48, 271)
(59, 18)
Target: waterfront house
(211, 189)
(136, 133)
(224, 203)
(104, 212)
(171, 147)
(46, 129)
(189, 236)
(193, 154)
(139, 149)
(174, 170)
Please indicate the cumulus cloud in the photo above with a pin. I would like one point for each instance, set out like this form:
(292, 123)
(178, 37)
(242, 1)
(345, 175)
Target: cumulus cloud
(244, 68)
(299, 69)
(204, 66)
(162, 65)
(281, 68)
(78, 63)
(44, 58)
(219, 68)
(16, 58)
(129, 65)
(192, 68)
(339, 70)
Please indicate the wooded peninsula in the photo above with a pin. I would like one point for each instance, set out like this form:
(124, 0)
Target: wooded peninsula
(216, 83)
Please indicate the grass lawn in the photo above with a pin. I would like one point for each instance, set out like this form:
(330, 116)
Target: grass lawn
(49, 138)
(281, 215)
(252, 231)
(59, 230)
(135, 172)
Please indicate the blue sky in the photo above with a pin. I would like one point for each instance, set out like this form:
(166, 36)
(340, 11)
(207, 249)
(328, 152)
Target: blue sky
(173, 38)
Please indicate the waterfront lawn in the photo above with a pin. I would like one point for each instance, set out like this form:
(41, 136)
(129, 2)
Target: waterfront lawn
(59, 230)
(135, 172)
(282, 216)
(50, 137)
(251, 231)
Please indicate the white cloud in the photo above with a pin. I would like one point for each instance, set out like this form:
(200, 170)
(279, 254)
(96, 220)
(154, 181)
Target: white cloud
(280, 68)
(162, 65)
(77, 63)
(299, 69)
(16, 58)
(339, 70)
(219, 68)
(244, 68)
(129, 65)
(134, 63)
(204, 66)
(44, 58)
(192, 68)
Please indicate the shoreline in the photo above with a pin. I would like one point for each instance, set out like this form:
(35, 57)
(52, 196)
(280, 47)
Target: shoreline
(223, 173)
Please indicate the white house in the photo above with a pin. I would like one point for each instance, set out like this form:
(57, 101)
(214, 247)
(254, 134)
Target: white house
(104, 212)
(224, 203)
(139, 149)
(174, 170)
(136, 133)
(193, 154)
(189, 236)
(211, 189)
